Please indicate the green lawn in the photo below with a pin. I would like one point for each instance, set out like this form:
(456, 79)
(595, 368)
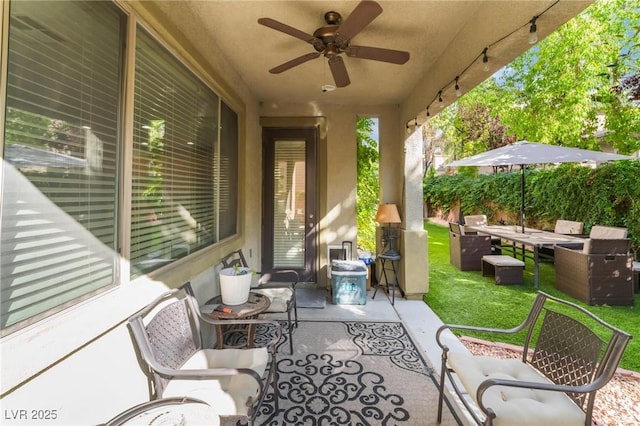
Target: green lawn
(466, 297)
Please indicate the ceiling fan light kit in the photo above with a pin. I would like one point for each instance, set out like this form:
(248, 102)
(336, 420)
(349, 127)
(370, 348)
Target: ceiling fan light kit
(335, 38)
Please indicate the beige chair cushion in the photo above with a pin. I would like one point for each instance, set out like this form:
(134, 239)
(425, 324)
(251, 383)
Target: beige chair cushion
(603, 233)
(515, 406)
(279, 297)
(229, 394)
(478, 219)
(608, 232)
(568, 227)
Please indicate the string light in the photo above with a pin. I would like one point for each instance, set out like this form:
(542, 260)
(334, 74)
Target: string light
(533, 35)
(533, 38)
(458, 91)
(485, 60)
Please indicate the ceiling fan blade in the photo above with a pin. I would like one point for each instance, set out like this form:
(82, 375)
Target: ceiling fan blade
(339, 71)
(294, 32)
(365, 12)
(378, 54)
(294, 62)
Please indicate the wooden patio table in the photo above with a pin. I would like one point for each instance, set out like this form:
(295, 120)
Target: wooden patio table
(531, 237)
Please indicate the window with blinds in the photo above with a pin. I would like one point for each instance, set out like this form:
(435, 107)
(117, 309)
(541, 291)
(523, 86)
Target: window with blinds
(184, 187)
(60, 166)
(228, 178)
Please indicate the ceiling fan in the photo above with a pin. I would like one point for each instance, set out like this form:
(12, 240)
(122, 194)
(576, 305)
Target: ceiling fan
(335, 38)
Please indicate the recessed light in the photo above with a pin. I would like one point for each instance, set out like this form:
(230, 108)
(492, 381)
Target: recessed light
(328, 87)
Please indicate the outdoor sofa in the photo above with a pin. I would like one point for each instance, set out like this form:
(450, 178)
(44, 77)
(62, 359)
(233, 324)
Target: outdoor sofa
(600, 273)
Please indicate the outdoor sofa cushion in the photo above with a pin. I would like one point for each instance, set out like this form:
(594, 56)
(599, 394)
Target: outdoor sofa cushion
(515, 406)
(476, 219)
(608, 232)
(568, 227)
(229, 394)
(604, 233)
(280, 297)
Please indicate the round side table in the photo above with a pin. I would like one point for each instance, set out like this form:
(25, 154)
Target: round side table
(255, 305)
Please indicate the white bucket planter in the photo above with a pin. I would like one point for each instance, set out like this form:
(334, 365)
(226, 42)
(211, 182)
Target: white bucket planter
(235, 288)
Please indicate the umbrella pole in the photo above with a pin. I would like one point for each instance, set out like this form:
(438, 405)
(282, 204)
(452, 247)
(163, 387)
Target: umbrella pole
(522, 198)
(522, 215)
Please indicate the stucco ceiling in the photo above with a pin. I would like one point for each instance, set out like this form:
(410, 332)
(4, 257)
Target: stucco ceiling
(444, 38)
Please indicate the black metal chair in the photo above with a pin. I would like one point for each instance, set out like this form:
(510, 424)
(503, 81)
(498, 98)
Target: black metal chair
(235, 382)
(282, 296)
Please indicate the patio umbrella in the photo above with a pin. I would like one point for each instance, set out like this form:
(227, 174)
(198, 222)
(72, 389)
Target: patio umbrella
(523, 153)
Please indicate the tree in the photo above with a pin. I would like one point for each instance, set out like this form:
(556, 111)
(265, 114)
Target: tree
(570, 86)
(471, 126)
(368, 185)
(578, 87)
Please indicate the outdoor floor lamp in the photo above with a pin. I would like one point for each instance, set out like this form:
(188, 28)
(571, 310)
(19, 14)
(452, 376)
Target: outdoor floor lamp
(388, 213)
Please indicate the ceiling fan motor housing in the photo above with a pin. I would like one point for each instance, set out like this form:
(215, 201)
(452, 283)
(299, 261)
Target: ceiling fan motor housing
(330, 44)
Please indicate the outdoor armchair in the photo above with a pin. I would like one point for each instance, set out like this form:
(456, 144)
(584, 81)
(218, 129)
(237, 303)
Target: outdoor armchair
(568, 355)
(235, 382)
(564, 227)
(281, 295)
(481, 219)
(466, 251)
(600, 273)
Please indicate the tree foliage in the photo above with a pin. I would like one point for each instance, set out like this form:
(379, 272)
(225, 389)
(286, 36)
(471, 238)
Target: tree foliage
(607, 195)
(563, 87)
(368, 186)
(578, 87)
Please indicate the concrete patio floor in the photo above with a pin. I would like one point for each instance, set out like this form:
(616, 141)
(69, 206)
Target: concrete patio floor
(421, 322)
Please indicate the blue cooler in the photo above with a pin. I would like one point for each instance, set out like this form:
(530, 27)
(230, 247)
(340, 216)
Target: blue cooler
(348, 282)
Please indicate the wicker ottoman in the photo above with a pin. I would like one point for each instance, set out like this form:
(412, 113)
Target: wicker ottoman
(635, 267)
(506, 269)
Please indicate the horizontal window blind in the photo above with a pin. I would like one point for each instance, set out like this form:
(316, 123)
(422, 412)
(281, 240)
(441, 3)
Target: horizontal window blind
(176, 130)
(59, 227)
(289, 204)
(228, 178)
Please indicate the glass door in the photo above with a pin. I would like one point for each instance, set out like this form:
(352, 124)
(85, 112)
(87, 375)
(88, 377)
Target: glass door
(289, 210)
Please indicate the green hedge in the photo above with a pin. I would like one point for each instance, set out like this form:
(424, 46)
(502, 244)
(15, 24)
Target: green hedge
(608, 195)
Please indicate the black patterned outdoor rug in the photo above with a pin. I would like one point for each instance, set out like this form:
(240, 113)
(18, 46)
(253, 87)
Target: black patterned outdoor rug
(353, 373)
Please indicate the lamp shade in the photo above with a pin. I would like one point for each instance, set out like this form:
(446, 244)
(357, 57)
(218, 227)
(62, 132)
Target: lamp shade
(388, 213)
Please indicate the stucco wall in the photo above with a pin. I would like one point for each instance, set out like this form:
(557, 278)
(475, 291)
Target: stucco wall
(82, 363)
(337, 181)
